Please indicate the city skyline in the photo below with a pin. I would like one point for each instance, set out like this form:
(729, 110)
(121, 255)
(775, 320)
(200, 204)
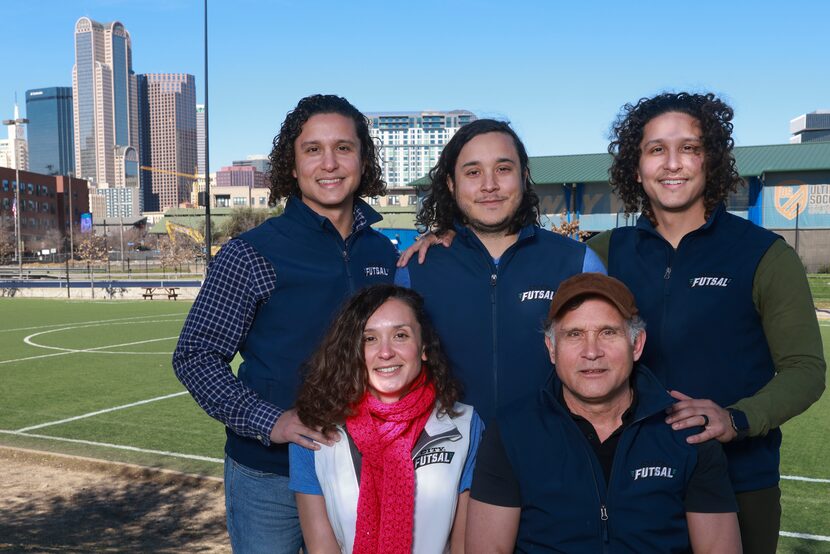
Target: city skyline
(559, 73)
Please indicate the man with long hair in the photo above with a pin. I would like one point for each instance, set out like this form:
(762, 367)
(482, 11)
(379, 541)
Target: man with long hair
(496, 279)
(269, 296)
(733, 333)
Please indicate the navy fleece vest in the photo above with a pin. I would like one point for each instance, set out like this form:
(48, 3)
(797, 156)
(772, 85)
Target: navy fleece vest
(563, 489)
(316, 272)
(704, 334)
(491, 319)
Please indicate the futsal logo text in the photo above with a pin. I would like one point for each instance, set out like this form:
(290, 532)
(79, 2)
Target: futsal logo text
(655, 471)
(710, 282)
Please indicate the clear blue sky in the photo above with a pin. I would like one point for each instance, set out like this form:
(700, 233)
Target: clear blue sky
(558, 70)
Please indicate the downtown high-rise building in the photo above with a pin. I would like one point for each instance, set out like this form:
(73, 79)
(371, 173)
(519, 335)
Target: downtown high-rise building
(167, 104)
(51, 140)
(14, 150)
(200, 139)
(105, 113)
(411, 142)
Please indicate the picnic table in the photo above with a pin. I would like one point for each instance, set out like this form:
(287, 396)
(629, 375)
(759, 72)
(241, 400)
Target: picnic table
(171, 292)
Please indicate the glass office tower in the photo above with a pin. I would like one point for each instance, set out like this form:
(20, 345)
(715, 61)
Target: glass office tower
(105, 110)
(51, 145)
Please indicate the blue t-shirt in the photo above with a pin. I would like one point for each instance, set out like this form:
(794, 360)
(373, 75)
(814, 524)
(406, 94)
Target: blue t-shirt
(303, 477)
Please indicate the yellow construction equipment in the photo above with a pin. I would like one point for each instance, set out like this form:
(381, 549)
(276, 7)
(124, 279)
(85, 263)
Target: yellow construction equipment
(174, 229)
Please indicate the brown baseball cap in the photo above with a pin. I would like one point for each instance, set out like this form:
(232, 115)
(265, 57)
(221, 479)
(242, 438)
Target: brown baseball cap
(593, 284)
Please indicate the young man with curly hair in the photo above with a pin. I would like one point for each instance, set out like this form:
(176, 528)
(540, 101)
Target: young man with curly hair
(495, 281)
(732, 329)
(269, 296)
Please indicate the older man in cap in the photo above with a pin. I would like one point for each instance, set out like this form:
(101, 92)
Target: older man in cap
(589, 464)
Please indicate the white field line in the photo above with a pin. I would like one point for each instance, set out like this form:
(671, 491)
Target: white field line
(804, 536)
(99, 412)
(118, 446)
(65, 351)
(29, 339)
(806, 479)
(88, 322)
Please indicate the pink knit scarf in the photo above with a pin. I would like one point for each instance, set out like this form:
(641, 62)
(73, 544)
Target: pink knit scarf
(385, 435)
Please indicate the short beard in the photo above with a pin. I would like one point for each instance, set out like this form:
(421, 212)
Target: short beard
(500, 228)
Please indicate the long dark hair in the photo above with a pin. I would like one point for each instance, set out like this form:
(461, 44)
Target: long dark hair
(283, 182)
(440, 210)
(336, 375)
(715, 119)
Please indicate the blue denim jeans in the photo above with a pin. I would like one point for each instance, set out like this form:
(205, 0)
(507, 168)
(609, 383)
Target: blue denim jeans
(261, 511)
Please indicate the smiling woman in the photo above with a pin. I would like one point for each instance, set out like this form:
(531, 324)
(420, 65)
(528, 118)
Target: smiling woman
(398, 479)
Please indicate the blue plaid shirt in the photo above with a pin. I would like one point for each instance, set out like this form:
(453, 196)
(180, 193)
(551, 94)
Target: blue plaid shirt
(238, 281)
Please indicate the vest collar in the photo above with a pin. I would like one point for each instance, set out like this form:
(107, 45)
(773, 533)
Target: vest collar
(652, 397)
(438, 427)
(644, 223)
(468, 235)
(364, 215)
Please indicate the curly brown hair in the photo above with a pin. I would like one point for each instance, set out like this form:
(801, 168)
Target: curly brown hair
(283, 182)
(715, 119)
(440, 210)
(336, 376)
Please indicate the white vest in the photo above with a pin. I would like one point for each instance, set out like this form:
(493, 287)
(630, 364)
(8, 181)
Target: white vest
(439, 456)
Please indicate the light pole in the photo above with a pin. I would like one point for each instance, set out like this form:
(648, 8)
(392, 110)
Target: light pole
(71, 216)
(17, 238)
(207, 150)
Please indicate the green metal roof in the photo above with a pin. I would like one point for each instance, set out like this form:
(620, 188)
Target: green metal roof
(190, 217)
(751, 161)
(581, 168)
(779, 158)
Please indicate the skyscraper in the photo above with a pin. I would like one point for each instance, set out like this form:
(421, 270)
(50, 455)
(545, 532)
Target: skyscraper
(200, 139)
(104, 97)
(412, 141)
(168, 114)
(51, 144)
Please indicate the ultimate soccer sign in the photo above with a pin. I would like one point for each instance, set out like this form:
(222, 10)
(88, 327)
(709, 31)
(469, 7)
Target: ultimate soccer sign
(793, 198)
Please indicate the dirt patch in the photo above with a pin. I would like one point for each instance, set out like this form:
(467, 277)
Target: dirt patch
(57, 503)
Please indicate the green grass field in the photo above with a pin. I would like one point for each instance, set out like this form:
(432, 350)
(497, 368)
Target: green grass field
(94, 379)
(820, 287)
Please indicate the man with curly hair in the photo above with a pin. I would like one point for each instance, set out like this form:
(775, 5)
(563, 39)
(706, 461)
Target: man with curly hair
(269, 296)
(732, 329)
(495, 281)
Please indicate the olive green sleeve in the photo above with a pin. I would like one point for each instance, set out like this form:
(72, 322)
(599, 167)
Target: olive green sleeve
(600, 244)
(782, 297)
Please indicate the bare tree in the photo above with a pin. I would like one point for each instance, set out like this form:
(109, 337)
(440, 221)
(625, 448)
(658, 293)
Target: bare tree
(151, 242)
(134, 236)
(54, 239)
(175, 253)
(6, 239)
(243, 219)
(570, 229)
(92, 248)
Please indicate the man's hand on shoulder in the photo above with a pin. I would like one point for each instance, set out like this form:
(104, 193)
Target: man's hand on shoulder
(423, 244)
(289, 428)
(692, 412)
